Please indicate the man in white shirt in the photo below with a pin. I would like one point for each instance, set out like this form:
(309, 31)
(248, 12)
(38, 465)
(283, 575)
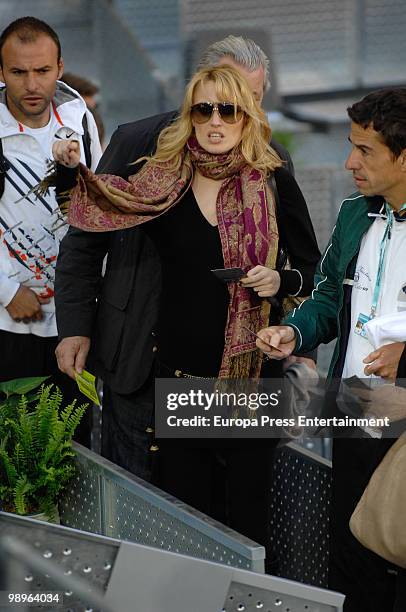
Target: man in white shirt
(35, 110)
(361, 277)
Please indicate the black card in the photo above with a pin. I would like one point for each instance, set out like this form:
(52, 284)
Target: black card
(229, 275)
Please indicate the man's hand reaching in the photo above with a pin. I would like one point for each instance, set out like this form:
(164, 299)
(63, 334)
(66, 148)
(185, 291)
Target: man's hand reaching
(281, 337)
(66, 152)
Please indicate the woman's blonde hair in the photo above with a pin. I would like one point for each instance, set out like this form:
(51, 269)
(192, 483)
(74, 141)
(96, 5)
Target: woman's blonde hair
(230, 86)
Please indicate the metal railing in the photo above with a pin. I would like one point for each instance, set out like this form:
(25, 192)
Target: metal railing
(107, 500)
(88, 572)
(164, 555)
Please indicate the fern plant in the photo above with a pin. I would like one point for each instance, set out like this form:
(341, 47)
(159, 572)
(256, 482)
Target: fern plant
(36, 449)
(10, 394)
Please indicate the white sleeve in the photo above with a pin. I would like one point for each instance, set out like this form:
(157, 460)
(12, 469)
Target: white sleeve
(8, 289)
(95, 147)
(386, 329)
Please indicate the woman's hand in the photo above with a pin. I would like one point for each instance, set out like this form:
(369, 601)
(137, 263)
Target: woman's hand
(263, 280)
(66, 152)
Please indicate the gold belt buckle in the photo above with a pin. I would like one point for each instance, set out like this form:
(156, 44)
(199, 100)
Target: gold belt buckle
(180, 374)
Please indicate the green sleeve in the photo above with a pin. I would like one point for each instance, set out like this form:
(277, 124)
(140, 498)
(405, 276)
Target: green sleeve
(315, 320)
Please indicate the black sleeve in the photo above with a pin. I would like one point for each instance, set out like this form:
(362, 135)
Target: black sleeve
(65, 181)
(297, 236)
(78, 269)
(77, 280)
(78, 274)
(131, 141)
(120, 154)
(284, 155)
(78, 277)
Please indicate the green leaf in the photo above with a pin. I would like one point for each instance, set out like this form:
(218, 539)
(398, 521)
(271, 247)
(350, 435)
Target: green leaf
(8, 467)
(20, 492)
(19, 386)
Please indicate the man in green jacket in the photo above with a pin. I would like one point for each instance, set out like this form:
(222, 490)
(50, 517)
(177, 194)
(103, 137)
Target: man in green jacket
(361, 277)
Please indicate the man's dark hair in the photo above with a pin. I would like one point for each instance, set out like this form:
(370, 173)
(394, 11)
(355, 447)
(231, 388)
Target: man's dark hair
(385, 111)
(28, 29)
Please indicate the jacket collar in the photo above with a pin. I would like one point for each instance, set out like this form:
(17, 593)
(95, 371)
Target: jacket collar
(375, 203)
(68, 109)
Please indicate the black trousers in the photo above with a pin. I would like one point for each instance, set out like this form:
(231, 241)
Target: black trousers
(229, 480)
(127, 429)
(23, 355)
(370, 583)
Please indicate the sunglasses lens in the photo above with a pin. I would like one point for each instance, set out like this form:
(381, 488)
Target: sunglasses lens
(202, 112)
(229, 113)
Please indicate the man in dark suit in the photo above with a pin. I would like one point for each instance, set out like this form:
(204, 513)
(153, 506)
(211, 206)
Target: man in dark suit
(114, 315)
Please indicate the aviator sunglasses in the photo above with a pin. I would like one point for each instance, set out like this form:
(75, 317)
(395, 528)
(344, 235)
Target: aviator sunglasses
(202, 112)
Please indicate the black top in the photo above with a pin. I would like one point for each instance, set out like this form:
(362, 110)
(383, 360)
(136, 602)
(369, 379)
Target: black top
(193, 310)
(194, 303)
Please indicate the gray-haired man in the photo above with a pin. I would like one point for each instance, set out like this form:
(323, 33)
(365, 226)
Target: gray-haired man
(246, 56)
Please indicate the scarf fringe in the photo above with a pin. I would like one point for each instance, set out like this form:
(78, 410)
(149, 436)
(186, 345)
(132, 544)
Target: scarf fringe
(245, 365)
(42, 188)
(240, 383)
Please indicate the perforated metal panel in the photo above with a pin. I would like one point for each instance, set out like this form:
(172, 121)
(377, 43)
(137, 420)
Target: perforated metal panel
(108, 500)
(81, 505)
(300, 510)
(156, 25)
(132, 82)
(124, 577)
(126, 508)
(324, 188)
(77, 555)
(313, 48)
(245, 598)
(54, 11)
(130, 517)
(384, 42)
(319, 45)
(318, 187)
(154, 22)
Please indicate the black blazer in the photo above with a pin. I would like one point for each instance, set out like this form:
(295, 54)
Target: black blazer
(118, 311)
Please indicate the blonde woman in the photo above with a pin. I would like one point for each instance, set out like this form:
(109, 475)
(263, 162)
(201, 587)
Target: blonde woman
(207, 201)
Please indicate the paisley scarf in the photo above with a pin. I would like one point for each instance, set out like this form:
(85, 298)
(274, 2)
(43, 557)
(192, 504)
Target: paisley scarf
(246, 221)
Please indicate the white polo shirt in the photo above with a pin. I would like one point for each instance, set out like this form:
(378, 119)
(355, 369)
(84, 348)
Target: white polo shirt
(392, 296)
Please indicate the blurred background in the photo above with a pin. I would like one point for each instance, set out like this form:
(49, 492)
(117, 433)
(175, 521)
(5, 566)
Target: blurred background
(325, 54)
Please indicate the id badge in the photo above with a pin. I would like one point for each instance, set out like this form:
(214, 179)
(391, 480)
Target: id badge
(359, 326)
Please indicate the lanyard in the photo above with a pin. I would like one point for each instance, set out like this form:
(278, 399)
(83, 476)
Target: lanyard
(382, 253)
